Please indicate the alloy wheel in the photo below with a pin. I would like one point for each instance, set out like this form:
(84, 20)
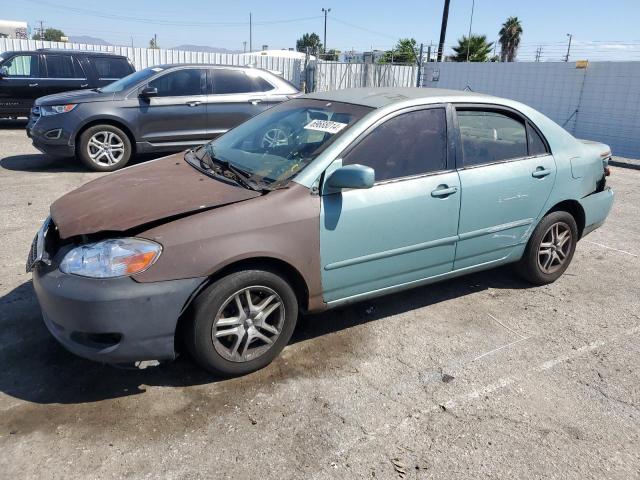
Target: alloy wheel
(554, 248)
(105, 148)
(248, 324)
(275, 137)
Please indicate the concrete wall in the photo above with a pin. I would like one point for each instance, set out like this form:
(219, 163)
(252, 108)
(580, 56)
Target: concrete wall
(601, 102)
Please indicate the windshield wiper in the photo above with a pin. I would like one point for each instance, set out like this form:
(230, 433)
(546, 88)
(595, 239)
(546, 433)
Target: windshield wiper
(209, 162)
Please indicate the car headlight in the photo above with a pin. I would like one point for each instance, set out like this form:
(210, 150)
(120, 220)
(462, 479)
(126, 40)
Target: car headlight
(116, 257)
(46, 110)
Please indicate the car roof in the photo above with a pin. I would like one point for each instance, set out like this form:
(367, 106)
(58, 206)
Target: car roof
(383, 96)
(62, 50)
(196, 65)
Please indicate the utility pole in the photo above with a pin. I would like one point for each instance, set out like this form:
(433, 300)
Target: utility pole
(155, 40)
(419, 61)
(250, 33)
(41, 30)
(443, 29)
(566, 59)
(244, 47)
(538, 53)
(325, 10)
(473, 4)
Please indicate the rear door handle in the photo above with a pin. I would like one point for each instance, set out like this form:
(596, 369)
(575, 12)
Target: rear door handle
(194, 104)
(444, 191)
(255, 101)
(33, 84)
(541, 172)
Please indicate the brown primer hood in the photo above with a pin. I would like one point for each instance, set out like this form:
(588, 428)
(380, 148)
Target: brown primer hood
(140, 195)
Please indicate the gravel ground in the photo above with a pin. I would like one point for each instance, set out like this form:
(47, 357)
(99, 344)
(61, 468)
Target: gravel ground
(479, 377)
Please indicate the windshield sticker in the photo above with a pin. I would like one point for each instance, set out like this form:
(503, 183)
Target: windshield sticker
(325, 126)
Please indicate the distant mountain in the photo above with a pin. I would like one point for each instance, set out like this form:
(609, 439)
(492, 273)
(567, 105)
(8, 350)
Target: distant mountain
(88, 40)
(202, 48)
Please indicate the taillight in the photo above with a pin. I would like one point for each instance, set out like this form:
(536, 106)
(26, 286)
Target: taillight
(607, 171)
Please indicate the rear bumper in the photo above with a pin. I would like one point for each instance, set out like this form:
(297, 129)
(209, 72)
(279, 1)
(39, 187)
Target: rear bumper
(596, 209)
(114, 320)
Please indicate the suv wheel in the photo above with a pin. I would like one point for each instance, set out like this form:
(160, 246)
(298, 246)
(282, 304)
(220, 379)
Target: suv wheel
(104, 148)
(550, 249)
(242, 322)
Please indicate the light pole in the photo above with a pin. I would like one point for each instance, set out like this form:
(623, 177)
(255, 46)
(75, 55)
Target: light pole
(326, 11)
(566, 59)
(473, 4)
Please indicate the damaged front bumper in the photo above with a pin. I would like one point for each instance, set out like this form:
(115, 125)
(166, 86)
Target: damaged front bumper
(116, 320)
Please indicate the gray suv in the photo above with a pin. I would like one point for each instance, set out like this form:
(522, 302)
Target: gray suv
(159, 109)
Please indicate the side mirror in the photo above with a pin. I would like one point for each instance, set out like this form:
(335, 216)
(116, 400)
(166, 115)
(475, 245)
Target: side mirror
(350, 176)
(4, 72)
(148, 92)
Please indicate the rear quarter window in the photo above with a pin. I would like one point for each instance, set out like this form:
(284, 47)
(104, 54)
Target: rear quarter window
(111, 68)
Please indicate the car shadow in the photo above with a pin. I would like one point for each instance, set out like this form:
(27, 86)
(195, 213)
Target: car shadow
(37, 369)
(38, 162)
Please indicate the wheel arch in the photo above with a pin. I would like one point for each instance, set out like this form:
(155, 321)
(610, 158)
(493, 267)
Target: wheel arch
(574, 208)
(107, 121)
(272, 264)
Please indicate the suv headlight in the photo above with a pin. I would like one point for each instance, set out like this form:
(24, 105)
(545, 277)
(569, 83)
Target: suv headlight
(46, 110)
(116, 257)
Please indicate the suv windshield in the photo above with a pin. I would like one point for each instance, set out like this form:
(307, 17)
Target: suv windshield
(277, 144)
(131, 80)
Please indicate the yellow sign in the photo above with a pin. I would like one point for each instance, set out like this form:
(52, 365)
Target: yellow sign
(582, 63)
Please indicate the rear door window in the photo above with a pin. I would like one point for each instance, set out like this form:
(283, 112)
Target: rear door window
(180, 83)
(60, 66)
(237, 81)
(536, 144)
(412, 143)
(23, 66)
(490, 136)
(109, 68)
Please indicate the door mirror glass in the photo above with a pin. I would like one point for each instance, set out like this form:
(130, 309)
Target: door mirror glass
(350, 176)
(148, 92)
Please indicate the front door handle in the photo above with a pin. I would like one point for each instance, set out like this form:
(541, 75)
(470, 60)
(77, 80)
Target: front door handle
(541, 172)
(194, 104)
(83, 85)
(444, 191)
(33, 84)
(255, 101)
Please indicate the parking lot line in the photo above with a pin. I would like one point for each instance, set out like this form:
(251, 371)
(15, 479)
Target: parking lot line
(611, 248)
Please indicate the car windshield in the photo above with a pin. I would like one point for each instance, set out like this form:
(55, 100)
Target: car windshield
(271, 148)
(131, 80)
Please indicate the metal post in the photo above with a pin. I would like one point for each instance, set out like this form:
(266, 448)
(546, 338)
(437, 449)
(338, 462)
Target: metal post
(419, 61)
(473, 4)
(325, 10)
(566, 59)
(429, 53)
(250, 34)
(443, 29)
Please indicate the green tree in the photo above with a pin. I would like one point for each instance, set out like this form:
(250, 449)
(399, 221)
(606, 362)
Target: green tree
(310, 41)
(477, 47)
(152, 44)
(50, 35)
(510, 34)
(403, 52)
(332, 55)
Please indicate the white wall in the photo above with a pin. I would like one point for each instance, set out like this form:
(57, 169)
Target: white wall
(601, 102)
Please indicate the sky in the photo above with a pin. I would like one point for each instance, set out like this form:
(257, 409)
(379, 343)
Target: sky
(601, 30)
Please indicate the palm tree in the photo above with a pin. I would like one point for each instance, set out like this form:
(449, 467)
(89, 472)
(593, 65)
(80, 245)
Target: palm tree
(510, 39)
(477, 47)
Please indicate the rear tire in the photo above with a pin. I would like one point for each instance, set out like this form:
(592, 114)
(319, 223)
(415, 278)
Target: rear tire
(104, 148)
(229, 341)
(550, 249)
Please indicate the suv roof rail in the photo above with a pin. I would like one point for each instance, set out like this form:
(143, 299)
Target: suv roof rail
(87, 52)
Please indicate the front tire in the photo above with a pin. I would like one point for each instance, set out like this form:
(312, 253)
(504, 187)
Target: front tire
(550, 249)
(104, 148)
(242, 322)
